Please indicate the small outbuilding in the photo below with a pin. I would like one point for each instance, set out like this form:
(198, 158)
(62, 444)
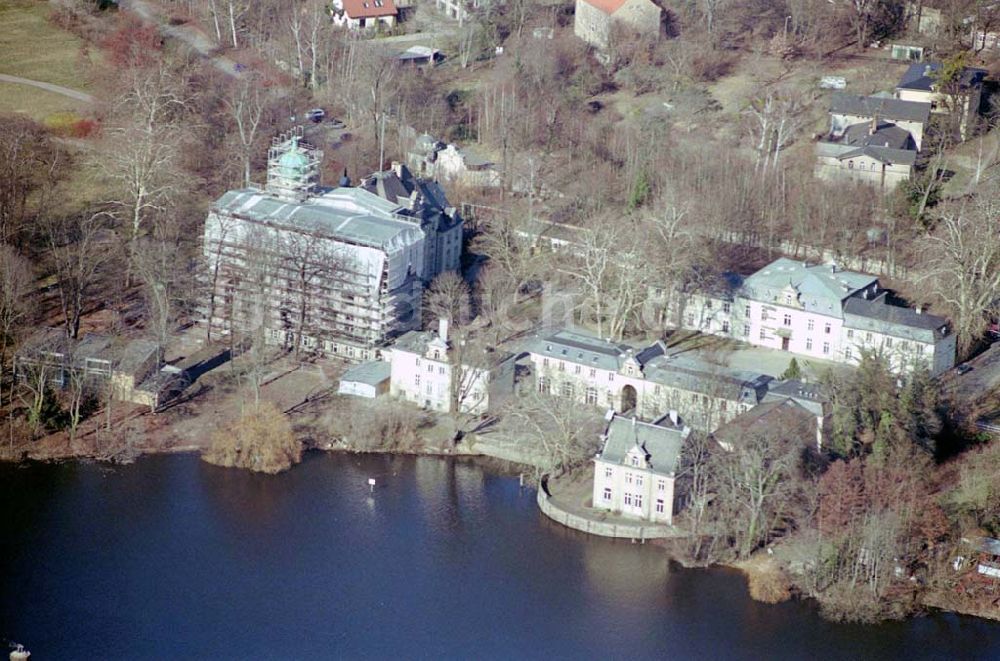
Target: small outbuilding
(368, 380)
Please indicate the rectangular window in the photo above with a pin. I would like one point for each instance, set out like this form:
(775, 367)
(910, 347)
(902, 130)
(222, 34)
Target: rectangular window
(417, 381)
(607, 494)
(746, 310)
(763, 334)
(430, 369)
(440, 370)
(577, 369)
(611, 376)
(850, 333)
(763, 315)
(746, 330)
(418, 362)
(628, 477)
(708, 304)
(826, 348)
(562, 366)
(788, 320)
(593, 372)
(888, 342)
(659, 506)
(608, 472)
(628, 499)
(661, 486)
(811, 324)
(809, 344)
(725, 308)
(868, 337)
(826, 329)
(545, 362)
(592, 397)
(725, 326)
(638, 500)
(847, 353)
(638, 480)
(690, 319)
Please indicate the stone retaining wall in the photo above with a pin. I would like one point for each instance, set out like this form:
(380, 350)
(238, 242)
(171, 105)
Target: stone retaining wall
(601, 528)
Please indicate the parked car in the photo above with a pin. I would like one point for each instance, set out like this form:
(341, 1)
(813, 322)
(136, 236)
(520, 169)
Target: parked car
(964, 368)
(316, 115)
(337, 124)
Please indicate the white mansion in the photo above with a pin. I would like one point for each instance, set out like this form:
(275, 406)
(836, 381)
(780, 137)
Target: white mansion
(635, 471)
(429, 370)
(821, 311)
(336, 271)
(652, 380)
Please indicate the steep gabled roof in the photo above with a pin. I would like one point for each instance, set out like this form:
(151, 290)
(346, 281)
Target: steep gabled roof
(661, 443)
(882, 107)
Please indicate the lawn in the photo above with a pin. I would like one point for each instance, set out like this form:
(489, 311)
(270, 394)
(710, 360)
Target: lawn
(33, 102)
(32, 47)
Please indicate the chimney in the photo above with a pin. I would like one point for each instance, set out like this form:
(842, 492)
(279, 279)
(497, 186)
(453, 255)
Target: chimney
(920, 309)
(443, 329)
(397, 167)
(874, 126)
(673, 417)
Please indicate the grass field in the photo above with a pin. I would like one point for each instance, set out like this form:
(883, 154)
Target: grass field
(32, 47)
(33, 102)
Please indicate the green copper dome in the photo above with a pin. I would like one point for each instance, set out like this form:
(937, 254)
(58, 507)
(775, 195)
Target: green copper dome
(294, 164)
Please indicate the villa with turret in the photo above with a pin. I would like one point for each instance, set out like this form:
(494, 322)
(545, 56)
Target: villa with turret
(333, 271)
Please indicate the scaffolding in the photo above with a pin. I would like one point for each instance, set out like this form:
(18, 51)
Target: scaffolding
(293, 166)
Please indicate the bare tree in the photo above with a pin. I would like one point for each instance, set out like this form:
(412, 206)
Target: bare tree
(246, 104)
(28, 159)
(566, 433)
(79, 249)
(16, 281)
(448, 297)
(964, 267)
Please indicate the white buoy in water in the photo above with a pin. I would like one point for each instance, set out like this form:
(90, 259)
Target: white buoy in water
(19, 654)
(371, 485)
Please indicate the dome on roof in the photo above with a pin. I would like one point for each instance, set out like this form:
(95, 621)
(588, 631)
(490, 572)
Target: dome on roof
(294, 164)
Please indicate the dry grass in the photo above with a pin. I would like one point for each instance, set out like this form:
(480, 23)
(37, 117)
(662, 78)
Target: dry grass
(36, 103)
(34, 48)
(767, 582)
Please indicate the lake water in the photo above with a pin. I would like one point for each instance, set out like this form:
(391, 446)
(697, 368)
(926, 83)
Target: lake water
(172, 558)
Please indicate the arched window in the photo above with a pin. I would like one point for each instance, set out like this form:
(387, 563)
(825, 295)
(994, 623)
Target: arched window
(850, 165)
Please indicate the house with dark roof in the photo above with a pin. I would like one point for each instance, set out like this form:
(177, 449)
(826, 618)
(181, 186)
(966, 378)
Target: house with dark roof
(635, 472)
(364, 14)
(646, 381)
(922, 83)
(874, 139)
(594, 19)
(425, 200)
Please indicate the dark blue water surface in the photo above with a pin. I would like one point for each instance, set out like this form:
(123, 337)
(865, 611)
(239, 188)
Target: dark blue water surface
(172, 558)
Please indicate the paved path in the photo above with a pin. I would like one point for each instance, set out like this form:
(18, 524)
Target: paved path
(190, 35)
(49, 87)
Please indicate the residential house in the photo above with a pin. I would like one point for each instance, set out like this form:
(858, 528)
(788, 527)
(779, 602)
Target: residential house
(872, 139)
(783, 419)
(594, 19)
(334, 271)
(988, 562)
(367, 380)
(425, 201)
(430, 370)
(824, 312)
(921, 83)
(460, 10)
(635, 471)
(364, 14)
(808, 400)
(453, 164)
(649, 381)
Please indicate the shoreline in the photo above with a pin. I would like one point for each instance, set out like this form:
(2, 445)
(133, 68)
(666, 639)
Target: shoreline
(931, 602)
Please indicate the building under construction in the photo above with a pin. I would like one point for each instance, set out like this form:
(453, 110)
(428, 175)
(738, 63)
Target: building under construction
(334, 271)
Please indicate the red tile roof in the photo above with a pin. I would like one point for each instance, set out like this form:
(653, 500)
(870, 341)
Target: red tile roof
(607, 6)
(369, 8)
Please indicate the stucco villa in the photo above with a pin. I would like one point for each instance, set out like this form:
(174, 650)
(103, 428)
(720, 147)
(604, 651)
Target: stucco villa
(634, 473)
(823, 311)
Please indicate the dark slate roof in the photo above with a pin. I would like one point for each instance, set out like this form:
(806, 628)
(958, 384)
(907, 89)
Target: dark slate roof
(582, 348)
(881, 154)
(784, 417)
(689, 373)
(921, 76)
(809, 396)
(886, 134)
(872, 106)
(662, 444)
(878, 316)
